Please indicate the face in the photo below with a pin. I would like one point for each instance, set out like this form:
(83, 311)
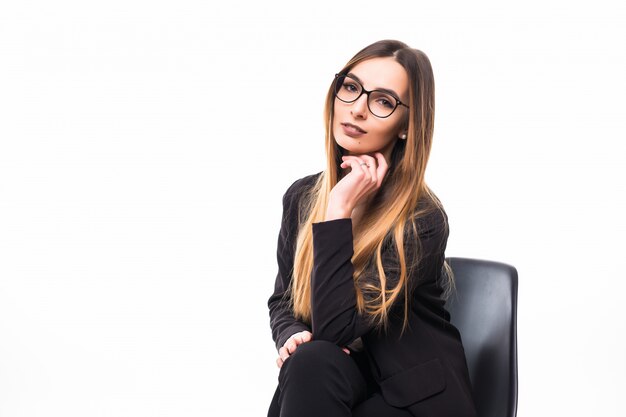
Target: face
(355, 128)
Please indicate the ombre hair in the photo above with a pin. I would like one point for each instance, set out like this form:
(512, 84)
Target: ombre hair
(393, 210)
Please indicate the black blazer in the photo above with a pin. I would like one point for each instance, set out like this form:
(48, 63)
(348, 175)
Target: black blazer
(423, 370)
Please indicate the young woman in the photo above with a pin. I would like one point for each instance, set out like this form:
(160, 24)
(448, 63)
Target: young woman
(357, 312)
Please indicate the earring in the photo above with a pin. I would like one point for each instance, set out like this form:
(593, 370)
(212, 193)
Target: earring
(403, 136)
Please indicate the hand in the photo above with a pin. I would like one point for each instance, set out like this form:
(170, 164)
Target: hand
(292, 344)
(358, 185)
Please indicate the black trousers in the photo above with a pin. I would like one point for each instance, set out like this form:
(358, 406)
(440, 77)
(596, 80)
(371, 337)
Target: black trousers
(320, 379)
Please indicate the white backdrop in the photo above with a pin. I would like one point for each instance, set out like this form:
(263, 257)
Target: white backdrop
(146, 145)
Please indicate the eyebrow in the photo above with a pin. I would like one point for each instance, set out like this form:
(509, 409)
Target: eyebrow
(386, 90)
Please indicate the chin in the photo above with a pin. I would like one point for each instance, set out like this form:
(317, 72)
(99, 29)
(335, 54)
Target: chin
(351, 149)
(350, 145)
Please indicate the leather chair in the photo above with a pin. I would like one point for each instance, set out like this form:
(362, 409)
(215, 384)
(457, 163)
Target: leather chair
(484, 309)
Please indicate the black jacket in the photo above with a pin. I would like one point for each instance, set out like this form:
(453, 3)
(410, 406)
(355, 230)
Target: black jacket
(424, 369)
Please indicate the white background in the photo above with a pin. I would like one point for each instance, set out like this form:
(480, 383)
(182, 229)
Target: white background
(145, 147)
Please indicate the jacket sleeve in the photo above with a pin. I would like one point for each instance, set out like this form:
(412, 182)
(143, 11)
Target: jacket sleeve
(282, 321)
(334, 313)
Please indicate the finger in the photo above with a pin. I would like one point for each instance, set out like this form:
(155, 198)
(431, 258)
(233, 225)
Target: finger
(298, 338)
(366, 163)
(355, 163)
(283, 353)
(291, 345)
(302, 337)
(372, 167)
(279, 362)
(383, 167)
(349, 159)
(295, 338)
(346, 350)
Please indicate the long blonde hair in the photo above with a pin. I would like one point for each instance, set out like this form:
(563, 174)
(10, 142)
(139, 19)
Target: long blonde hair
(394, 207)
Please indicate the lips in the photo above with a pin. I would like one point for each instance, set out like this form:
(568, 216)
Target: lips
(352, 130)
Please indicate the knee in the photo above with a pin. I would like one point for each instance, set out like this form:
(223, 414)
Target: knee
(318, 347)
(316, 356)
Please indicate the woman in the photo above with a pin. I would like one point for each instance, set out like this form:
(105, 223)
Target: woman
(357, 312)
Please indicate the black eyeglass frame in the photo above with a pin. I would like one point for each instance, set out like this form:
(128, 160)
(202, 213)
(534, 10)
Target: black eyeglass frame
(363, 90)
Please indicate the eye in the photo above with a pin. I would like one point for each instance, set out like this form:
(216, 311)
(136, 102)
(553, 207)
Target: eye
(385, 102)
(351, 87)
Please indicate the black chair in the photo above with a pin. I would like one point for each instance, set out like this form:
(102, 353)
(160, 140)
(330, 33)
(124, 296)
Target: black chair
(484, 309)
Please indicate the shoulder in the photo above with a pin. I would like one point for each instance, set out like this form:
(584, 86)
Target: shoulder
(293, 209)
(299, 187)
(425, 231)
(430, 217)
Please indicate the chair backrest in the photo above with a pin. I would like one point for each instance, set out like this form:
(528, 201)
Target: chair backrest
(484, 309)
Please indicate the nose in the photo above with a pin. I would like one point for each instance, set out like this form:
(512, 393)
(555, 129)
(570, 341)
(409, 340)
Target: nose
(359, 107)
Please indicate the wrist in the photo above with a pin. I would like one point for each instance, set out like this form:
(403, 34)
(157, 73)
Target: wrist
(333, 213)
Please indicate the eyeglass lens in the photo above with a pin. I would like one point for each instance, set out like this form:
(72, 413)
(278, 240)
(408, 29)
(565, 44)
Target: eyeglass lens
(381, 104)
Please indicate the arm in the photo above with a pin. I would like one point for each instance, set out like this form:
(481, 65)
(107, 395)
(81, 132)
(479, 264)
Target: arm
(334, 316)
(282, 320)
(333, 298)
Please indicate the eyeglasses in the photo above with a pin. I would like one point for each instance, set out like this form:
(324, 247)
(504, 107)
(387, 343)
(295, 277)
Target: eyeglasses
(380, 103)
